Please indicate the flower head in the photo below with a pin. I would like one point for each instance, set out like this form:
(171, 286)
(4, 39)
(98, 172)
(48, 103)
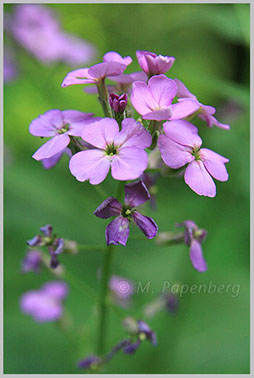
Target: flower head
(123, 151)
(89, 363)
(193, 238)
(154, 100)
(205, 112)
(60, 126)
(94, 74)
(45, 304)
(180, 146)
(117, 232)
(153, 64)
(140, 331)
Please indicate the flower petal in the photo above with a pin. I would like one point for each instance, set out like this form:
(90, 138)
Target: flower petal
(117, 231)
(159, 115)
(71, 116)
(182, 90)
(79, 76)
(101, 70)
(183, 108)
(52, 147)
(129, 164)
(101, 133)
(163, 90)
(174, 154)
(90, 165)
(108, 208)
(182, 132)
(113, 56)
(136, 193)
(142, 98)
(133, 134)
(196, 256)
(46, 124)
(215, 164)
(199, 180)
(146, 225)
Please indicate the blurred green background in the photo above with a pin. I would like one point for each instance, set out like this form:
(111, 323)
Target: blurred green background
(210, 332)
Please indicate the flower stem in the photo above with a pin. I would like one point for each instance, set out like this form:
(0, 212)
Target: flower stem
(103, 300)
(103, 98)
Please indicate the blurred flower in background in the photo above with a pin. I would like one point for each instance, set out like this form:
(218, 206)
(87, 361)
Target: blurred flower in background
(37, 29)
(10, 66)
(121, 290)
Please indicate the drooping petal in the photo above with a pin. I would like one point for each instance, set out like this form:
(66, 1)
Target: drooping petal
(215, 164)
(182, 90)
(174, 154)
(183, 108)
(101, 70)
(211, 121)
(199, 180)
(129, 164)
(146, 225)
(142, 98)
(182, 132)
(133, 134)
(79, 76)
(51, 162)
(46, 124)
(196, 256)
(101, 133)
(117, 231)
(111, 207)
(52, 147)
(136, 193)
(90, 165)
(163, 90)
(113, 56)
(159, 115)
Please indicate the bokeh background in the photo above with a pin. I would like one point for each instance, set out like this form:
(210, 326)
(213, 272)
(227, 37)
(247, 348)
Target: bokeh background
(210, 332)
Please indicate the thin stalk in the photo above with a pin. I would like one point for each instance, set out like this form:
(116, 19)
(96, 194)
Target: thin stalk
(103, 98)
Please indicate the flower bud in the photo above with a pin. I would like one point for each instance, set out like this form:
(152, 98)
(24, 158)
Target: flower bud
(118, 103)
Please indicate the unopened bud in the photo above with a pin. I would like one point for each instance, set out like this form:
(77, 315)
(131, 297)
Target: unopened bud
(118, 103)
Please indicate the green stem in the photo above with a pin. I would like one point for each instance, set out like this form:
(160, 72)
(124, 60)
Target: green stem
(101, 341)
(103, 98)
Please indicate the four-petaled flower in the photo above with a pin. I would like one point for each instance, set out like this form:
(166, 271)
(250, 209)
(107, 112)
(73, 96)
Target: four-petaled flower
(123, 151)
(60, 125)
(117, 232)
(153, 64)
(154, 100)
(193, 238)
(180, 146)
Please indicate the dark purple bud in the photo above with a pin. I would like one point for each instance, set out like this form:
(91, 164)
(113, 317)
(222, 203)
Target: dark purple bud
(118, 103)
(171, 302)
(130, 348)
(47, 230)
(31, 262)
(90, 362)
(53, 262)
(35, 241)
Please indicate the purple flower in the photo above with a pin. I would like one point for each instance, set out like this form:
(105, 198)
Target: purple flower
(37, 29)
(142, 332)
(113, 56)
(31, 262)
(205, 112)
(193, 238)
(171, 302)
(49, 163)
(149, 180)
(59, 125)
(153, 64)
(10, 67)
(118, 103)
(90, 362)
(122, 290)
(123, 151)
(117, 232)
(45, 304)
(154, 100)
(41, 240)
(180, 146)
(94, 74)
(124, 81)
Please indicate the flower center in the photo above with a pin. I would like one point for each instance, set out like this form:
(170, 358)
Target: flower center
(111, 150)
(64, 129)
(195, 152)
(127, 211)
